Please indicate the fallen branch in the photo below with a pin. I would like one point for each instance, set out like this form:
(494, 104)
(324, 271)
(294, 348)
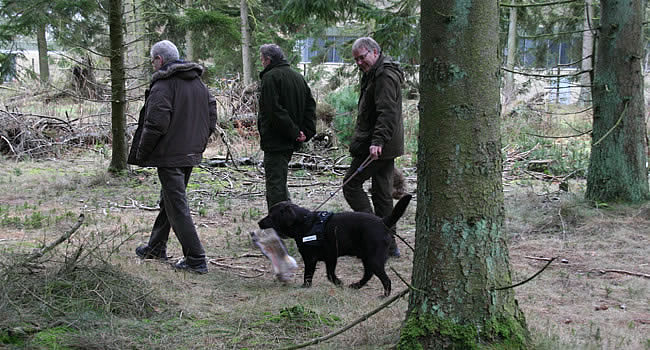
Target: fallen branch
(212, 261)
(40, 252)
(638, 274)
(529, 278)
(136, 205)
(538, 258)
(407, 284)
(9, 143)
(354, 323)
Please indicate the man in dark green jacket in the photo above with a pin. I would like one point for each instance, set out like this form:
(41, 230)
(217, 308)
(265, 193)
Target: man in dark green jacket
(378, 134)
(178, 116)
(286, 119)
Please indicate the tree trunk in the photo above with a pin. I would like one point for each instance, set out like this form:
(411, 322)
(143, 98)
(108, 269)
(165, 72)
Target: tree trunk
(189, 47)
(461, 255)
(43, 65)
(509, 83)
(118, 87)
(587, 54)
(245, 44)
(617, 167)
(136, 52)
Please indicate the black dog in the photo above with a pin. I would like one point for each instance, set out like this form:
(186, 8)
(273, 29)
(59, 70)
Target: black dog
(323, 236)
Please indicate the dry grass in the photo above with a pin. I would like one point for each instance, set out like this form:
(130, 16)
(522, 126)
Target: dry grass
(573, 303)
(240, 305)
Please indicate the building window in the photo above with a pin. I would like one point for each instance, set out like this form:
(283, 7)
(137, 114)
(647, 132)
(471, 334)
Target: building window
(329, 50)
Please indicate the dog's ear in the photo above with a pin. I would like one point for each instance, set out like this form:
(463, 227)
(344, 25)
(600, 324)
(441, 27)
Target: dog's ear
(288, 215)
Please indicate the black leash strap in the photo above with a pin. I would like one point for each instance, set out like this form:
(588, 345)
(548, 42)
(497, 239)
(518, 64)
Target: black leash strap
(360, 169)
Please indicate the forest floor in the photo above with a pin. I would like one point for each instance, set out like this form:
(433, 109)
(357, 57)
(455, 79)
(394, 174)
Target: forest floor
(92, 292)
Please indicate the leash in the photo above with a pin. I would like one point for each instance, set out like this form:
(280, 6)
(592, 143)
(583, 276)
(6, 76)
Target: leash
(360, 169)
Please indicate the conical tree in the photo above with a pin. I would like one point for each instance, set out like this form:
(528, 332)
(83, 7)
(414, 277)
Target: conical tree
(617, 167)
(461, 258)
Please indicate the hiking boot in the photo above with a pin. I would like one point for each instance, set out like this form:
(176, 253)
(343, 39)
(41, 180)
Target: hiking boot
(199, 268)
(146, 252)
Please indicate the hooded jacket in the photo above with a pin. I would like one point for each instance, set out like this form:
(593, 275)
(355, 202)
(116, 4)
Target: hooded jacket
(379, 118)
(286, 108)
(177, 118)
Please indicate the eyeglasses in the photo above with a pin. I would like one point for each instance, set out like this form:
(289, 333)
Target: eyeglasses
(361, 57)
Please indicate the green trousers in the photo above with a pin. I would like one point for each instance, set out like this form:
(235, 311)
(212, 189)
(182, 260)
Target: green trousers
(276, 169)
(381, 190)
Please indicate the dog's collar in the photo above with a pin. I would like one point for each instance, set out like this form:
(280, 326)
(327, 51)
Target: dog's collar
(317, 233)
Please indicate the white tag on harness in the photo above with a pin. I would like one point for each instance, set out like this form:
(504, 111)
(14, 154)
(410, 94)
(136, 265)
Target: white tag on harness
(309, 238)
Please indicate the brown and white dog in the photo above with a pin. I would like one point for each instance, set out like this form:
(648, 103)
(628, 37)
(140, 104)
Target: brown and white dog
(323, 236)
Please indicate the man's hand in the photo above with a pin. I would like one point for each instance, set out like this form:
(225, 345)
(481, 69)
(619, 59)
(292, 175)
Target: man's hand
(375, 152)
(301, 137)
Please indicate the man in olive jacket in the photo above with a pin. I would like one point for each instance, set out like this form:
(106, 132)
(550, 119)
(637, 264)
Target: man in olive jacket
(287, 118)
(378, 134)
(175, 123)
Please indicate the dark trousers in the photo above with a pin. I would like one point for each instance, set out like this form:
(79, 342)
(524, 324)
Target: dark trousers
(175, 214)
(276, 170)
(381, 190)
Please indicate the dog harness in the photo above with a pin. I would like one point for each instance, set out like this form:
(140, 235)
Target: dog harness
(316, 235)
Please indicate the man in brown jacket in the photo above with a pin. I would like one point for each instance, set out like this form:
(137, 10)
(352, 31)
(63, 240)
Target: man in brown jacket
(378, 134)
(178, 116)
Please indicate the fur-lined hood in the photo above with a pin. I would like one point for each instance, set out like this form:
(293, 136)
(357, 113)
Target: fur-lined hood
(185, 70)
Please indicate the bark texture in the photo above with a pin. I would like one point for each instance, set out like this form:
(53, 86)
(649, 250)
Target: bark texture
(509, 82)
(118, 88)
(587, 53)
(43, 64)
(245, 44)
(461, 254)
(617, 167)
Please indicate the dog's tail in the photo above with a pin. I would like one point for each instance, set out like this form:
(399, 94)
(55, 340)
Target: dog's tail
(398, 211)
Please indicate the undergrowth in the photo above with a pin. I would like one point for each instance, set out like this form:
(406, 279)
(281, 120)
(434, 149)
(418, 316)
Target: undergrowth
(556, 136)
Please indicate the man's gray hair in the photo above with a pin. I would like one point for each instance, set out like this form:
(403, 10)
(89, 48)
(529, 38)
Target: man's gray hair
(273, 52)
(165, 49)
(367, 43)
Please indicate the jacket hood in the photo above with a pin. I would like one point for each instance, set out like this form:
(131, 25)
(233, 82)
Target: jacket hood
(385, 64)
(184, 70)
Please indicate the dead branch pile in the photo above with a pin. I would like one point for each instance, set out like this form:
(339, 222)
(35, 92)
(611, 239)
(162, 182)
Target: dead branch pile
(236, 104)
(28, 135)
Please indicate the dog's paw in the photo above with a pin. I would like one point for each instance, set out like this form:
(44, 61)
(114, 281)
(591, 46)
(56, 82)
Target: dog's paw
(306, 284)
(336, 281)
(355, 285)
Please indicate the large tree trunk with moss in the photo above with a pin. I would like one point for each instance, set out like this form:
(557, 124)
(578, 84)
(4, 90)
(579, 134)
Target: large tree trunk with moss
(617, 167)
(461, 256)
(118, 94)
(41, 41)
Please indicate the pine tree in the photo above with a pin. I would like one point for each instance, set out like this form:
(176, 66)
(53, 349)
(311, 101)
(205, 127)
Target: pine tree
(461, 258)
(617, 167)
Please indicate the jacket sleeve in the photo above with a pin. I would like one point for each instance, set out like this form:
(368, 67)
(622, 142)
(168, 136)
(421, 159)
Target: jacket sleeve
(278, 117)
(387, 98)
(212, 106)
(156, 120)
(309, 119)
